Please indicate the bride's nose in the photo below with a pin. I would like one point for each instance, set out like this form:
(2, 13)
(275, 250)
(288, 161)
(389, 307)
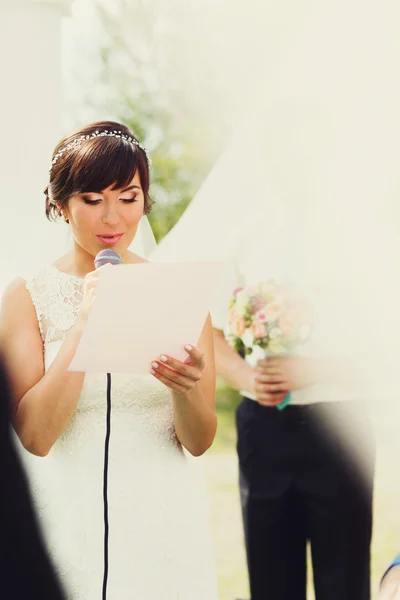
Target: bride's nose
(110, 214)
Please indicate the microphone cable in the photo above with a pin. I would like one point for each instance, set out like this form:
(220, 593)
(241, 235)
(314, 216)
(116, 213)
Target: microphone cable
(106, 256)
(105, 486)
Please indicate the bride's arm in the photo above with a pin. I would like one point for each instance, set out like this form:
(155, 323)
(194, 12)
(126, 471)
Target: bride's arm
(43, 403)
(195, 418)
(193, 393)
(231, 366)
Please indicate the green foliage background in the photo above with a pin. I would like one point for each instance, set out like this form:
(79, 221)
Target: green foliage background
(155, 67)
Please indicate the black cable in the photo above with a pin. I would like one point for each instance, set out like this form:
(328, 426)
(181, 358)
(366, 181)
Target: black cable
(105, 485)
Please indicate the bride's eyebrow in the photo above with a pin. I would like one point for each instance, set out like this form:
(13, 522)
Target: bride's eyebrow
(127, 189)
(131, 187)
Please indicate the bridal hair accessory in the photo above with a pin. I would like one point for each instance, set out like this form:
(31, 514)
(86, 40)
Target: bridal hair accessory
(83, 138)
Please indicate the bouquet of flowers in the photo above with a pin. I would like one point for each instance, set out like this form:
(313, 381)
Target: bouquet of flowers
(267, 319)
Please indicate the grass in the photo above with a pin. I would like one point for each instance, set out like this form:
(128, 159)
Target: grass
(221, 474)
(227, 401)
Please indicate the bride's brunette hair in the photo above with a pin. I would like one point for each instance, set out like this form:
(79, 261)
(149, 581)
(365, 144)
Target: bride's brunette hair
(92, 159)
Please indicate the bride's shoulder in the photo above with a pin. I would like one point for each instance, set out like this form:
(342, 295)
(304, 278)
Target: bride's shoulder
(16, 299)
(23, 289)
(15, 289)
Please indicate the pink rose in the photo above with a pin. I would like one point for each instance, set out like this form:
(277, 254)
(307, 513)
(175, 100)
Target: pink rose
(237, 290)
(258, 303)
(251, 290)
(273, 311)
(239, 326)
(261, 316)
(258, 330)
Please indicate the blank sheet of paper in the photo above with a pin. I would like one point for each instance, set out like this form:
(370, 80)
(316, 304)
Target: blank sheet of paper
(142, 311)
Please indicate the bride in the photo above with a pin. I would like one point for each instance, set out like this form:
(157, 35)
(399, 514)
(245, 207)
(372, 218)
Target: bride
(159, 544)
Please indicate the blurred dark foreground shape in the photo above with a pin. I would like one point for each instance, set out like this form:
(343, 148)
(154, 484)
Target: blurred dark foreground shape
(25, 568)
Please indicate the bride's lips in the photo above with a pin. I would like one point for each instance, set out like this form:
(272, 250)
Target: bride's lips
(110, 238)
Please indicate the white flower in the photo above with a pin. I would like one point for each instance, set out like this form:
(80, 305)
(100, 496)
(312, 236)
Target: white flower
(241, 304)
(257, 354)
(275, 333)
(248, 338)
(275, 348)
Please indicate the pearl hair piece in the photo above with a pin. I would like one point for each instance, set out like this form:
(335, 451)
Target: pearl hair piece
(83, 138)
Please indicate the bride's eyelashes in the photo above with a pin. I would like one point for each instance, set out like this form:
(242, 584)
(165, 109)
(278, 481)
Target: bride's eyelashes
(129, 200)
(87, 201)
(124, 200)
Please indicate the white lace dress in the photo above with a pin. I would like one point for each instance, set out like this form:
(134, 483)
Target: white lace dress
(159, 540)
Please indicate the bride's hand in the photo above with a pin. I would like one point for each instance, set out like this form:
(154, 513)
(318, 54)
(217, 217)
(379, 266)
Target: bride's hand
(89, 293)
(179, 376)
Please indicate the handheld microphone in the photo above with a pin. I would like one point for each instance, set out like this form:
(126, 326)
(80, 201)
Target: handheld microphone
(107, 257)
(104, 257)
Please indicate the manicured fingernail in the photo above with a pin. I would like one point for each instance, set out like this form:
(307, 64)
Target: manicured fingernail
(188, 347)
(154, 365)
(163, 358)
(152, 372)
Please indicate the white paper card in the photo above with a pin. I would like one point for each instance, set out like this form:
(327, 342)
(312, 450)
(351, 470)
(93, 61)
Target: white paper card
(142, 311)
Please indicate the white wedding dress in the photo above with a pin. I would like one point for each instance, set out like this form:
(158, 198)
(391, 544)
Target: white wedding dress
(159, 537)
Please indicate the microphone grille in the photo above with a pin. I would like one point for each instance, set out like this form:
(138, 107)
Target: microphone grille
(107, 257)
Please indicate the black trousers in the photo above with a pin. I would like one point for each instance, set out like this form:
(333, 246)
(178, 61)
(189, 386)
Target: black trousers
(306, 473)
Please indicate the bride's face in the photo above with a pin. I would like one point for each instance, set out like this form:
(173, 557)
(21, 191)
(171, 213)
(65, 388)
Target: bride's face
(106, 219)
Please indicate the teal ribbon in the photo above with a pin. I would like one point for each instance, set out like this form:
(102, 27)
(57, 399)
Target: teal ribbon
(284, 402)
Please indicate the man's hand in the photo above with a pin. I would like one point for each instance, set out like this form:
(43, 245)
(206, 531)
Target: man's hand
(390, 589)
(296, 372)
(268, 385)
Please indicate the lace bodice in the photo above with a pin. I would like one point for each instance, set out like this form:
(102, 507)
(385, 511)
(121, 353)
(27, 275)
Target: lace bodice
(57, 297)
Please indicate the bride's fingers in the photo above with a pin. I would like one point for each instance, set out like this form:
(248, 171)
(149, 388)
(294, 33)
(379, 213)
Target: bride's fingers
(178, 375)
(192, 371)
(172, 378)
(197, 358)
(173, 385)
